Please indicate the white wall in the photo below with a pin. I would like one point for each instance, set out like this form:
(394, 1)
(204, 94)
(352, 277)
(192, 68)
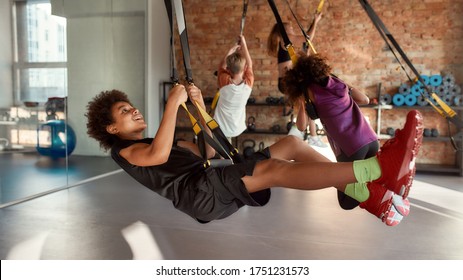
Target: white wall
(111, 45)
(158, 62)
(6, 55)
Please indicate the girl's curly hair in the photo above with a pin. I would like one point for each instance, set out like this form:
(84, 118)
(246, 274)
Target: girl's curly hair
(99, 116)
(307, 70)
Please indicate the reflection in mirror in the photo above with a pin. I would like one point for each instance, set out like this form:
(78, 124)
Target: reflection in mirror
(37, 76)
(61, 54)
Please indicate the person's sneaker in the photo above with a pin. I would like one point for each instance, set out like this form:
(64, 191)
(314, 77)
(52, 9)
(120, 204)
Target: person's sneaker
(316, 141)
(380, 204)
(397, 156)
(402, 205)
(296, 132)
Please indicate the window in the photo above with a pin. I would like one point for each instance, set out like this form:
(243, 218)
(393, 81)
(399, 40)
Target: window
(40, 70)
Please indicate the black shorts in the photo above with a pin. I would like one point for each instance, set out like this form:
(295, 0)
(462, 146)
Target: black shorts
(221, 192)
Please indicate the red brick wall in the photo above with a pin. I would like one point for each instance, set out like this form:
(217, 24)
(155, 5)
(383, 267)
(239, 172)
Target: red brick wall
(429, 31)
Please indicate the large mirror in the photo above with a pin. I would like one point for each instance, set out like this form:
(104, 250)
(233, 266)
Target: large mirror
(55, 56)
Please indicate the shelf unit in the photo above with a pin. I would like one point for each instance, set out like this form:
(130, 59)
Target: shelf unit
(457, 168)
(283, 131)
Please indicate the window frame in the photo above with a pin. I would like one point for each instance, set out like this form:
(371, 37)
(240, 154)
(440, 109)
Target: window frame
(21, 63)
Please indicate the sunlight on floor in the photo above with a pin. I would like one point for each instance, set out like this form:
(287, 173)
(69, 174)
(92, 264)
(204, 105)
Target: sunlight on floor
(30, 249)
(142, 242)
(434, 195)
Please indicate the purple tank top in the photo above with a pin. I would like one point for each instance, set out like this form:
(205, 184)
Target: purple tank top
(345, 125)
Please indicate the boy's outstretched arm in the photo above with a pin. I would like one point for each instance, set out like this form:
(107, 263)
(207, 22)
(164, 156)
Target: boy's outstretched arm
(245, 51)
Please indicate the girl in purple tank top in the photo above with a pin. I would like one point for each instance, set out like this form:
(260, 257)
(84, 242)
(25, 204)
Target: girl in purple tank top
(336, 104)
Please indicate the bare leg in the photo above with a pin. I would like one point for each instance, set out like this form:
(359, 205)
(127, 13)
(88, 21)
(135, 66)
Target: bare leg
(293, 148)
(299, 175)
(309, 170)
(312, 127)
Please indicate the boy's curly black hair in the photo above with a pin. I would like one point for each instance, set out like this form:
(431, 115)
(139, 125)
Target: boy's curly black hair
(308, 70)
(99, 116)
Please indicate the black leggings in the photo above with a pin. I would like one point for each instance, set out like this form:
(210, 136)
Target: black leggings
(346, 202)
(281, 86)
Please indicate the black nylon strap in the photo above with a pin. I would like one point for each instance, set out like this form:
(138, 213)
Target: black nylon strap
(219, 142)
(309, 107)
(174, 72)
(446, 111)
(281, 27)
(243, 15)
(182, 30)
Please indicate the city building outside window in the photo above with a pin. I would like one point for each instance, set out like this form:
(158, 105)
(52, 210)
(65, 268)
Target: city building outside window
(40, 52)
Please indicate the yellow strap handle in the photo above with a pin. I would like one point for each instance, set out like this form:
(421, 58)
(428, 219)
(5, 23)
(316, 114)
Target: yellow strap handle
(211, 123)
(292, 53)
(320, 6)
(451, 113)
(215, 100)
(311, 45)
(194, 122)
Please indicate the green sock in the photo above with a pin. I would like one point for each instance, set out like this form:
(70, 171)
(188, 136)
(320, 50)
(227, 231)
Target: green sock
(357, 191)
(367, 170)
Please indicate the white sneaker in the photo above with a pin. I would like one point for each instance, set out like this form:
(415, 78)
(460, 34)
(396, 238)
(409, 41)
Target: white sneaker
(296, 132)
(316, 141)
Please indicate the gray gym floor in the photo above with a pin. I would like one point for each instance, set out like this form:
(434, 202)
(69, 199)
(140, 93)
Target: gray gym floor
(114, 217)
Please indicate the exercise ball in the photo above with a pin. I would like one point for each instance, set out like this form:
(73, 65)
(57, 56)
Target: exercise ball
(55, 139)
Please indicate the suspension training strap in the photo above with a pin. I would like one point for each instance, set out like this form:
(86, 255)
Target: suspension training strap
(243, 15)
(214, 101)
(183, 33)
(320, 6)
(444, 109)
(307, 38)
(309, 107)
(288, 45)
(220, 142)
(196, 126)
(173, 67)
(199, 130)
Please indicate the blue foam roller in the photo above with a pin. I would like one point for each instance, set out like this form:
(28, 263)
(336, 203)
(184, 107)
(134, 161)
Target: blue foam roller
(448, 99)
(421, 101)
(398, 99)
(455, 90)
(448, 80)
(404, 89)
(441, 89)
(416, 89)
(386, 99)
(410, 100)
(425, 79)
(435, 80)
(458, 100)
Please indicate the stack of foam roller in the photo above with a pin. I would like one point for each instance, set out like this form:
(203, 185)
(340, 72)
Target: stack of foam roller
(411, 95)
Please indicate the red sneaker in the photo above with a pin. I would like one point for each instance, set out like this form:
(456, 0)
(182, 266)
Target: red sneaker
(397, 156)
(380, 204)
(402, 205)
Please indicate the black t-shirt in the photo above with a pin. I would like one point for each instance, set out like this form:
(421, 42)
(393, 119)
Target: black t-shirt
(170, 179)
(203, 193)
